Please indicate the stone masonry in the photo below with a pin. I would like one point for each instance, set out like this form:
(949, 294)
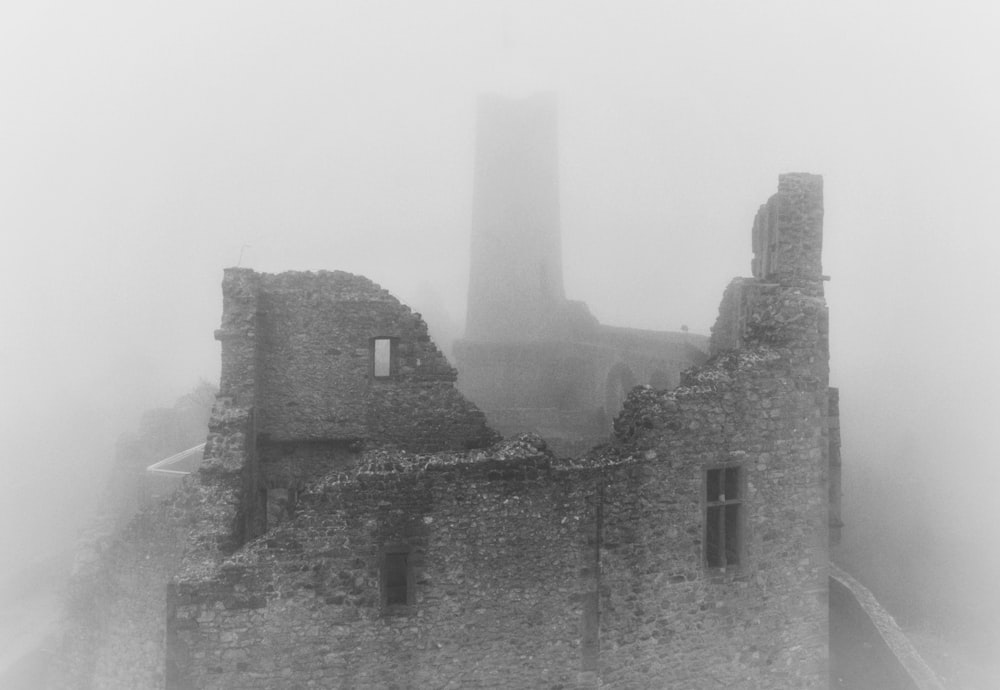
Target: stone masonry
(358, 531)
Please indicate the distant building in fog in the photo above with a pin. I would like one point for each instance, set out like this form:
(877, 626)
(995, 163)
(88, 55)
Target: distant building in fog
(533, 360)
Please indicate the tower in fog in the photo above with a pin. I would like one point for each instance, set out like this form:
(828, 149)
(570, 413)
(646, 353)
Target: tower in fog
(531, 359)
(515, 281)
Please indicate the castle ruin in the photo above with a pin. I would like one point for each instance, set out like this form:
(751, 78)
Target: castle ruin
(356, 522)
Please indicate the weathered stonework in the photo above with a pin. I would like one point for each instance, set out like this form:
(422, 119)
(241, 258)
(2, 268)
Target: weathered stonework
(514, 568)
(788, 234)
(297, 348)
(531, 571)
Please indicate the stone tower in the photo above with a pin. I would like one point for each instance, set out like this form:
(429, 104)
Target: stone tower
(531, 359)
(515, 281)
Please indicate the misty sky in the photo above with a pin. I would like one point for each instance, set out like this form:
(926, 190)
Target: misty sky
(145, 146)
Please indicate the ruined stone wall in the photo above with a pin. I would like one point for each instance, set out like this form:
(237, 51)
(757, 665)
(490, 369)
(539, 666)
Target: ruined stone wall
(760, 405)
(730, 326)
(510, 548)
(532, 573)
(761, 624)
(115, 622)
(114, 634)
(316, 352)
(524, 571)
(568, 433)
(834, 461)
(501, 550)
(787, 287)
(114, 629)
(238, 335)
(788, 233)
(299, 346)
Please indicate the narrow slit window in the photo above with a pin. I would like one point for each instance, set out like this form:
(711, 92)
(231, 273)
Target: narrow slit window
(396, 579)
(723, 516)
(382, 357)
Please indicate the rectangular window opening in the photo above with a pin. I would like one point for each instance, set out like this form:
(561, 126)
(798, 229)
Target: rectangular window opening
(382, 357)
(396, 579)
(723, 516)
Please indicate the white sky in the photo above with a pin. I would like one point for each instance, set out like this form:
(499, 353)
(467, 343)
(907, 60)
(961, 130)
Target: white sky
(143, 144)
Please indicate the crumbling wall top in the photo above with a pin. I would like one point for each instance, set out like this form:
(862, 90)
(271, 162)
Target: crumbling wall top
(788, 233)
(333, 356)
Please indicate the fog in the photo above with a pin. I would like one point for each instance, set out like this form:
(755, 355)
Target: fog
(146, 146)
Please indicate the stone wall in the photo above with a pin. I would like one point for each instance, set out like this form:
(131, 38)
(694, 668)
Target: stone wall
(534, 572)
(238, 334)
(833, 444)
(523, 570)
(114, 628)
(114, 631)
(760, 405)
(730, 326)
(788, 233)
(531, 571)
(500, 546)
(115, 623)
(669, 616)
(299, 348)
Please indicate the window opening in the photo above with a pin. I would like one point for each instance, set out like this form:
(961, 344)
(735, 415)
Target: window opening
(396, 580)
(723, 519)
(382, 357)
